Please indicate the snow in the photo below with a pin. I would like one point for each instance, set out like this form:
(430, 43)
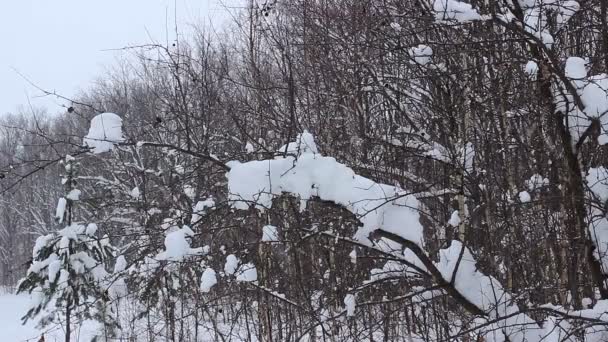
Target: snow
(531, 69)
(64, 275)
(177, 246)
(136, 328)
(53, 268)
(104, 132)
(535, 20)
(575, 68)
(270, 233)
(593, 92)
(148, 266)
(598, 312)
(201, 208)
(121, 264)
(486, 293)
(565, 10)
(60, 211)
(597, 180)
(91, 229)
(454, 219)
(118, 288)
(304, 144)
(421, 54)
(587, 302)
(71, 232)
(524, 197)
(307, 174)
(454, 10)
(249, 148)
(350, 304)
(12, 307)
(37, 266)
(82, 263)
(438, 152)
(598, 230)
(41, 242)
(536, 182)
(189, 191)
(467, 155)
(537, 12)
(232, 263)
(247, 273)
(74, 195)
(208, 279)
(376, 205)
(36, 297)
(594, 96)
(557, 330)
(393, 268)
(135, 193)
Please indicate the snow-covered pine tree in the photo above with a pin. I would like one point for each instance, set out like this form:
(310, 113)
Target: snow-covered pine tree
(67, 278)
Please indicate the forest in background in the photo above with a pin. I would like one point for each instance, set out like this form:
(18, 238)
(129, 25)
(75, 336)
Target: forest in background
(486, 118)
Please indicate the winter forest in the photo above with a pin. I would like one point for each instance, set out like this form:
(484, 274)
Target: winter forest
(325, 170)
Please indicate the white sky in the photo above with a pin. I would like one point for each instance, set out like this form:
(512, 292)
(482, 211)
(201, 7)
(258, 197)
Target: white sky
(59, 44)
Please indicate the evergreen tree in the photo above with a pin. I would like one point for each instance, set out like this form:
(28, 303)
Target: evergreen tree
(68, 277)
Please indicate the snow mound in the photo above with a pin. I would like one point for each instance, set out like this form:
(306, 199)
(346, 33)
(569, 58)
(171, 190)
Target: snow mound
(11, 309)
(454, 220)
(304, 144)
(531, 69)
(524, 197)
(177, 246)
(208, 279)
(105, 131)
(232, 263)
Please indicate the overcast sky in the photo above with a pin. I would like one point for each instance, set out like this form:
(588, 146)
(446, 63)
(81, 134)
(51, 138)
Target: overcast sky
(62, 45)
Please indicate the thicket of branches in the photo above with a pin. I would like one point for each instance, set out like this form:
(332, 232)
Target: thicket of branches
(480, 128)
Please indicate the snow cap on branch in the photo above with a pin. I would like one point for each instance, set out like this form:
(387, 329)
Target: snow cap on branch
(447, 10)
(304, 144)
(105, 131)
(177, 246)
(593, 92)
(208, 279)
(378, 206)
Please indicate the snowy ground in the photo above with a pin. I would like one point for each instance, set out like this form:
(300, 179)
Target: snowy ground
(13, 307)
